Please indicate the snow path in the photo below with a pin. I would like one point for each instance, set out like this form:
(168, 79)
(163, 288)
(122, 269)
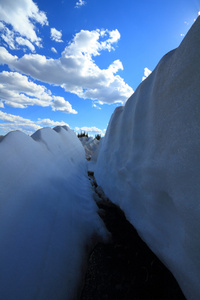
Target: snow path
(125, 268)
(48, 218)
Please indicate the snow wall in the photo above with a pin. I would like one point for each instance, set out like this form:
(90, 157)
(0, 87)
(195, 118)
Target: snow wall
(47, 215)
(149, 161)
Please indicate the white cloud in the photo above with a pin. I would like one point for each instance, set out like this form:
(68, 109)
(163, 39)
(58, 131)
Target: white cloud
(76, 70)
(8, 36)
(6, 57)
(11, 39)
(115, 66)
(114, 37)
(61, 104)
(56, 35)
(24, 42)
(92, 42)
(90, 130)
(2, 26)
(80, 3)
(22, 14)
(53, 50)
(17, 90)
(14, 122)
(147, 72)
(50, 123)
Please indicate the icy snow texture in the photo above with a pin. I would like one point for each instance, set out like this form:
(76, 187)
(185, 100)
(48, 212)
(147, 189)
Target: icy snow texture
(149, 162)
(47, 215)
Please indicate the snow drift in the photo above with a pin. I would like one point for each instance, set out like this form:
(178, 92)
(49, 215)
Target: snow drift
(47, 217)
(149, 161)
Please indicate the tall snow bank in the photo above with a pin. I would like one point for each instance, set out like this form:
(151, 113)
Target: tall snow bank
(149, 162)
(47, 215)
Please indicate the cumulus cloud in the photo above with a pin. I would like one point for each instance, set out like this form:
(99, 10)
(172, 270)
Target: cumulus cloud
(80, 3)
(115, 66)
(14, 122)
(56, 35)
(17, 90)
(76, 70)
(21, 15)
(6, 57)
(147, 72)
(61, 104)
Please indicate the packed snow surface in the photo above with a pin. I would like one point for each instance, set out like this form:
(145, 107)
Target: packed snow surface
(47, 215)
(149, 161)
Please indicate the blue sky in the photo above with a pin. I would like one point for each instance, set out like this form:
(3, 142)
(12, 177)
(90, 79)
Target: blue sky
(73, 61)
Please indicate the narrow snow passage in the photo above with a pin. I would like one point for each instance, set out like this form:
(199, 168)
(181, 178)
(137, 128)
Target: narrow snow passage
(125, 268)
(47, 215)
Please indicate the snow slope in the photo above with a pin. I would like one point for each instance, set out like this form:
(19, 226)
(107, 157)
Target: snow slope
(149, 161)
(47, 215)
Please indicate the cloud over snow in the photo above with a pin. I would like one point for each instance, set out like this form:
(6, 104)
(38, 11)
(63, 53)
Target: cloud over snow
(17, 90)
(91, 130)
(76, 70)
(14, 122)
